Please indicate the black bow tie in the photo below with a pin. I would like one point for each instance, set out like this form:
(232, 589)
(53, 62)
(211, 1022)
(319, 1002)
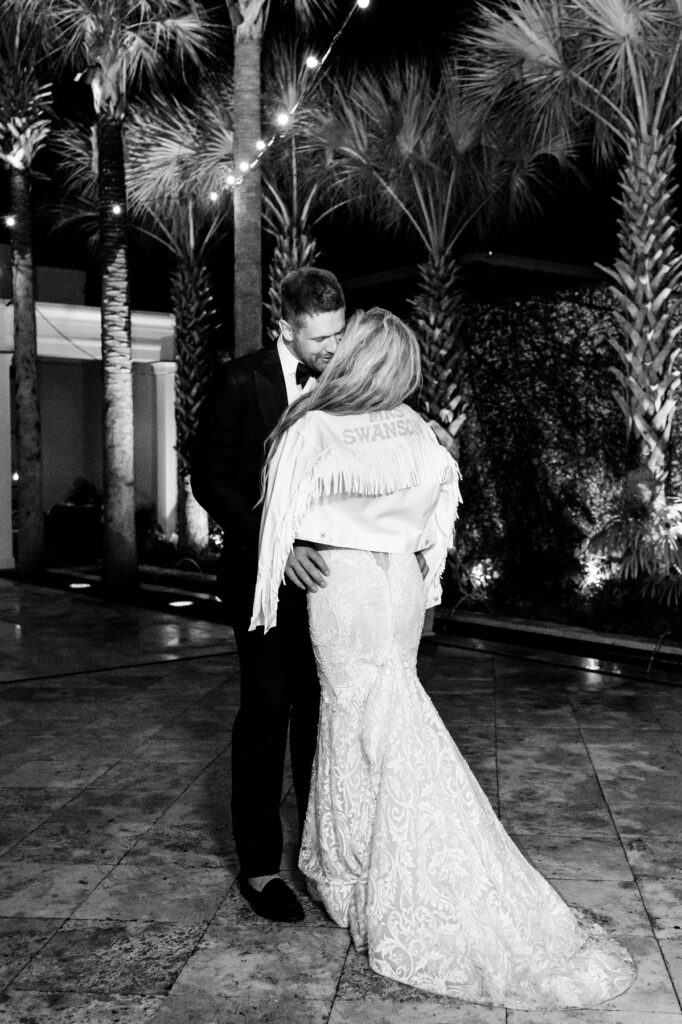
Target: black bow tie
(303, 375)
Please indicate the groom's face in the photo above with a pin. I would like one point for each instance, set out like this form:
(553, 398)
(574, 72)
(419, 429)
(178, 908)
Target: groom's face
(314, 339)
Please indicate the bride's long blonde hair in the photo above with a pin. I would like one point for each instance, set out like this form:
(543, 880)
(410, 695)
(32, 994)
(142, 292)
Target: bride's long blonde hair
(376, 366)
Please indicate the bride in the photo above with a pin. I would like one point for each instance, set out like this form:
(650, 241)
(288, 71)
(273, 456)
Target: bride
(400, 843)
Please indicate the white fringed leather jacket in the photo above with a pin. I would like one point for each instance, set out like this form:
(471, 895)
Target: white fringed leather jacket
(377, 481)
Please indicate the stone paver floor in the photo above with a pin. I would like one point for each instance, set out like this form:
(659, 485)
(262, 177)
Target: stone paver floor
(117, 870)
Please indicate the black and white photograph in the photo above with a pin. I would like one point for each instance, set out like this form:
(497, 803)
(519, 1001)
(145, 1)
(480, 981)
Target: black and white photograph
(340, 512)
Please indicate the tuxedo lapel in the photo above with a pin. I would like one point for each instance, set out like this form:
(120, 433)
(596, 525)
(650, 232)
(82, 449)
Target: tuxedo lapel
(271, 390)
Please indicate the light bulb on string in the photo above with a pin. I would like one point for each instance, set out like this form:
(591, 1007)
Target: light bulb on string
(10, 221)
(285, 117)
(116, 209)
(213, 197)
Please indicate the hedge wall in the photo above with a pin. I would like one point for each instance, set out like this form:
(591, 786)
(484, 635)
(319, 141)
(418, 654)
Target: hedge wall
(544, 448)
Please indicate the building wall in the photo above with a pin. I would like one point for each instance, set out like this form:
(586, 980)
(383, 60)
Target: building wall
(71, 412)
(70, 391)
(70, 404)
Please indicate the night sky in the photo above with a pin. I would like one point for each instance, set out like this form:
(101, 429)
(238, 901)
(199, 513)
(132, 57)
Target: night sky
(576, 226)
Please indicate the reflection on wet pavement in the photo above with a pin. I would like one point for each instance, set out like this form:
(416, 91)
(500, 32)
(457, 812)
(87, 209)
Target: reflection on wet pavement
(117, 865)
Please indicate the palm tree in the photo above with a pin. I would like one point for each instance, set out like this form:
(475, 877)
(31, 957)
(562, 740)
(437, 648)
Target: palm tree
(406, 145)
(115, 44)
(614, 68)
(384, 133)
(295, 245)
(294, 200)
(24, 127)
(248, 19)
(177, 158)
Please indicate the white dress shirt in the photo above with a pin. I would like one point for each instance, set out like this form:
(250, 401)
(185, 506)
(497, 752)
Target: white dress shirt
(289, 363)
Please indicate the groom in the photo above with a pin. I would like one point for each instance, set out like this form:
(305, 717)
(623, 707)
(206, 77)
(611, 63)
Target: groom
(279, 685)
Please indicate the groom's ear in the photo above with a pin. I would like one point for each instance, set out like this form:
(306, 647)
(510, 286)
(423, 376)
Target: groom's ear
(287, 330)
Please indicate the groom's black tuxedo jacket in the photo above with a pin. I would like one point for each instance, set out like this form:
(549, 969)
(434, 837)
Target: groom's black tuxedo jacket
(242, 405)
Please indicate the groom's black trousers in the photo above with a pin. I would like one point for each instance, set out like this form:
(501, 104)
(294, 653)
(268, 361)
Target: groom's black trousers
(279, 690)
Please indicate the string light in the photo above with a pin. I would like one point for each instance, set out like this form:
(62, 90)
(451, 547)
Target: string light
(116, 209)
(10, 221)
(214, 197)
(284, 117)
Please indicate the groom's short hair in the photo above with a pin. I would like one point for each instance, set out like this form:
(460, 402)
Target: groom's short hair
(309, 291)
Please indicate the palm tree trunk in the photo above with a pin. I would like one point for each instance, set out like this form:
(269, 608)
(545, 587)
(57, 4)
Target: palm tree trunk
(436, 322)
(647, 279)
(120, 550)
(193, 308)
(31, 520)
(248, 280)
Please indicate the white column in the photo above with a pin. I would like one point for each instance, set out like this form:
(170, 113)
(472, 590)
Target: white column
(166, 457)
(6, 554)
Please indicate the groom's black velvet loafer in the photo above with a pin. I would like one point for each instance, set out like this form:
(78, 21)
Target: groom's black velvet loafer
(276, 902)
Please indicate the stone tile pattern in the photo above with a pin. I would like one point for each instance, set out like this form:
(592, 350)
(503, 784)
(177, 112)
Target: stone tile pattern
(118, 900)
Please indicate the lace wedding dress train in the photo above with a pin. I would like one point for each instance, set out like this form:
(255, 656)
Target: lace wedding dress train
(400, 842)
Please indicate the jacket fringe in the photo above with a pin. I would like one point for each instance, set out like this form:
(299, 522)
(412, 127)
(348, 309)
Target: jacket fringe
(363, 471)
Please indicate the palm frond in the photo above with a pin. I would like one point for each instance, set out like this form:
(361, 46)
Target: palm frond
(517, 58)
(178, 158)
(407, 144)
(308, 12)
(161, 145)
(614, 62)
(167, 196)
(292, 168)
(77, 212)
(214, 155)
(353, 131)
(25, 96)
(75, 148)
(288, 83)
(177, 150)
(524, 31)
(619, 24)
(184, 38)
(119, 43)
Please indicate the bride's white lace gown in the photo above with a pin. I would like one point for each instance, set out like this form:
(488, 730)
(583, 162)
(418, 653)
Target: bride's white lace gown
(400, 842)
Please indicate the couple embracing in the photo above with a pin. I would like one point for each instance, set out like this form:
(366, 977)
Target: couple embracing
(338, 505)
